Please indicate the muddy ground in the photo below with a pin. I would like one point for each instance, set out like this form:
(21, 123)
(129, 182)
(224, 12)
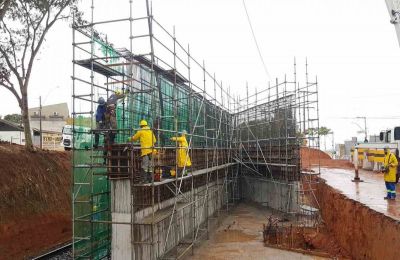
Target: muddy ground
(239, 235)
(35, 208)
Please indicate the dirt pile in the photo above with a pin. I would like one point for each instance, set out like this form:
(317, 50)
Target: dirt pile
(35, 211)
(311, 157)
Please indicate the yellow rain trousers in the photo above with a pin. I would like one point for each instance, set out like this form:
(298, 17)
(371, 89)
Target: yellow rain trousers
(183, 156)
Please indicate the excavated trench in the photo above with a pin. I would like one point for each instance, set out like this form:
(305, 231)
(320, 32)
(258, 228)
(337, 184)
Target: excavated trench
(361, 231)
(349, 229)
(356, 222)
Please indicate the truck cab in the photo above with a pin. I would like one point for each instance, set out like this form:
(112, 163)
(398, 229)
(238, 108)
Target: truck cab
(371, 155)
(66, 140)
(390, 135)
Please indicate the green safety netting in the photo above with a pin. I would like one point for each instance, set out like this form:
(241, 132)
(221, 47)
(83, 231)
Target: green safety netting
(170, 108)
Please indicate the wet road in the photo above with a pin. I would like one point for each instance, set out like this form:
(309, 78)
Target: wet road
(370, 192)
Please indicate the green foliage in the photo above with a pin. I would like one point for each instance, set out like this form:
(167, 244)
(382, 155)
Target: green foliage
(15, 118)
(323, 131)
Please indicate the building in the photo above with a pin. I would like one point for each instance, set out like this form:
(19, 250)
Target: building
(348, 144)
(53, 117)
(14, 133)
(11, 132)
(374, 139)
(50, 140)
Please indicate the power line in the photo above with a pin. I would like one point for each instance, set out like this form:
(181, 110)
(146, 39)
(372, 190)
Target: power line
(255, 40)
(376, 117)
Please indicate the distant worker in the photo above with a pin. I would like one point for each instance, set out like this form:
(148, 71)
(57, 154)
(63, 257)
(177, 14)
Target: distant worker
(100, 119)
(147, 142)
(183, 160)
(390, 169)
(111, 115)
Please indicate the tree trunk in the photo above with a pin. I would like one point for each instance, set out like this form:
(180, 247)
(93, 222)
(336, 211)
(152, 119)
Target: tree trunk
(25, 121)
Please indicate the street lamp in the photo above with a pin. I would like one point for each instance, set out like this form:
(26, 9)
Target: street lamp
(361, 131)
(365, 127)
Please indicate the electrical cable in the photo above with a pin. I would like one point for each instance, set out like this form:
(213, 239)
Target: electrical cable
(255, 40)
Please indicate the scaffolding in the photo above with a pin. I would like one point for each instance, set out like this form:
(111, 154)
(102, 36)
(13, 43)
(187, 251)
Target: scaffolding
(276, 127)
(259, 136)
(171, 102)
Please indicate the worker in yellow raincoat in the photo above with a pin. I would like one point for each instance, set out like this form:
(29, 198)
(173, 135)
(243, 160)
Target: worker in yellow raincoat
(183, 151)
(390, 170)
(147, 142)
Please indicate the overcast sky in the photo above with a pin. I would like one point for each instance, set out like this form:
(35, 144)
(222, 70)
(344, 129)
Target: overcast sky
(350, 45)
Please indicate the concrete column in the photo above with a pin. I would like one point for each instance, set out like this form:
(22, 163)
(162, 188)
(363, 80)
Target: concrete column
(121, 243)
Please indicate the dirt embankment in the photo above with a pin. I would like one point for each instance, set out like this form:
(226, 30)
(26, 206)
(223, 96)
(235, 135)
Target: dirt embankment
(361, 231)
(35, 208)
(311, 157)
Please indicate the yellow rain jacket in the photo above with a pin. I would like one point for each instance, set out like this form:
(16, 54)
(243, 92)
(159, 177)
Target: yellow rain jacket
(391, 162)
(147, 140)
(183, 156)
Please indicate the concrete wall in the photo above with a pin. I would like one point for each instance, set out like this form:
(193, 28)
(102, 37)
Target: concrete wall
(15, 137)
(51, 141)
(277, 195)
(121, 212)
(160, 237)
(55, 126)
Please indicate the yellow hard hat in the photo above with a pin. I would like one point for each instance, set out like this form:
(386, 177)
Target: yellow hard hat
(118, 92)
(143, 123)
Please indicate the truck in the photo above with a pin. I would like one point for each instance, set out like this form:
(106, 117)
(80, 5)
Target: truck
(83, 137)
(371, 154)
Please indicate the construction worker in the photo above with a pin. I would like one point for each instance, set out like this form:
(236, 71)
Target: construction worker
(147, 141)
(100, 119)
(390, 169)
(183, 160)
(110, 115)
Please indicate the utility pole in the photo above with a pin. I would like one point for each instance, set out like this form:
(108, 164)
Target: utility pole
(40, 121)
(365, 127)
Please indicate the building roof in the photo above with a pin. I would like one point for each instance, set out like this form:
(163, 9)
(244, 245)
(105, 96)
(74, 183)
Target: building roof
(56, 110)
(36, 130)
(9, 126)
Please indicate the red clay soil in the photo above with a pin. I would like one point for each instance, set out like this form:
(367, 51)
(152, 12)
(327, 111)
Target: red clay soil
(311, 157)
(361, 231)
(322, 240)
(309, 240)
(35, 208)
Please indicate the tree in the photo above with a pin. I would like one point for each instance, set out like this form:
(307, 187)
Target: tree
(15, 118)
(4, 5)
(324, 131)
(23, 30)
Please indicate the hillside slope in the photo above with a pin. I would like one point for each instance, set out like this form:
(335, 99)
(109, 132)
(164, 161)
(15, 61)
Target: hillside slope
(35, 208)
